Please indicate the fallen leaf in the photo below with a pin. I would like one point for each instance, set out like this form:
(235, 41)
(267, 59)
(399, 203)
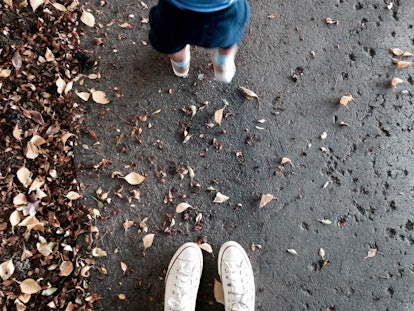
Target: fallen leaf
(292, 251)
(134, 178)
(15, 218)
(98, 252)
(218, 116)
(5, 73)
(61, 85)
(6, 269)
(99, 97)
(49, 291)
(322, 252)
(285, 160)
(206, 247)
(148, 240)
(220, 198)
(19, 199)
(250, 95)
(325, 221)
(17, 60)
(30, 286)
(36, 3)
(371, 253)
(87, 18)
(331, 21)
(72, 195)
(65, 268)
(59, 7)
(218, 292)
(324, 135)
(399, 52)
(32, 152)
(266, 198)
(9, 2)
(123, 266)
(24, 176)
(128, 224)
(395, 81)
(83, 95)
(182, 207)
(122, 296)
(346, 99)
(402, 64)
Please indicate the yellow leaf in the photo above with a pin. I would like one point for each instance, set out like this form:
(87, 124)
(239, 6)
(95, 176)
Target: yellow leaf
(182, 207)
(266, 198)
(87, 18)
(30, 286)
(6, 269)
(148, 240)
(134, 178)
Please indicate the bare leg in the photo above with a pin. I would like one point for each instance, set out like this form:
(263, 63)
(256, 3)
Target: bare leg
(231, 50)
(178, 56)
(180, 61)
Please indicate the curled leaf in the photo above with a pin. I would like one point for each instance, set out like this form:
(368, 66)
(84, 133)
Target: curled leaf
(206, 247)
(399, 52)
(65, 268)
(395, 81)
(250, 95)
(292, 251)
(218, 116)
(99, 97)
(182, 207)
(17, 60)
(72, 195)
(98, 252)
(5, 73)
(36, 3)
(6, 269)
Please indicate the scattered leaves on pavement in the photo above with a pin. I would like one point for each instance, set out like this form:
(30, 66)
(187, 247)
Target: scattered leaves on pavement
(265, 199)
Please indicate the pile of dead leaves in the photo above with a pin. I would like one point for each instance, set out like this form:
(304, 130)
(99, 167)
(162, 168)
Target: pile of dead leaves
(45, 233)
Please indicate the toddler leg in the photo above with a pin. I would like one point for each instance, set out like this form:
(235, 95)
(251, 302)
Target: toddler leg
(180, 61)
(224, 66)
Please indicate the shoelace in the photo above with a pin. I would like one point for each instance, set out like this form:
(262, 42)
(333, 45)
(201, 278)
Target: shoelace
(238, 290)
(181, 291)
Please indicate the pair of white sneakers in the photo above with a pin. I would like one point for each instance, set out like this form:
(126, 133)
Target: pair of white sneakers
(184, 272)
(222, 72)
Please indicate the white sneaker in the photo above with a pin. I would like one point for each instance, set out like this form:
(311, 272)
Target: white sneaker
(182, 72)
(225, 72)
(236, 275)
(183, 278)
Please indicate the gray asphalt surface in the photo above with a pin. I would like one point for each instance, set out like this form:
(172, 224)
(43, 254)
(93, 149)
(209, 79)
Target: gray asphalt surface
(360, 176)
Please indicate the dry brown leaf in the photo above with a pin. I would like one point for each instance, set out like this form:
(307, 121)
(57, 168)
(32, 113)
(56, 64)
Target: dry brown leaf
(218, 116)
(49, 56)
(32, 152)
(402, 64)
(30, 286)
(17, 132)
(87, 18)
(24, 176)
(220, 198)
(346, 99)
(123, 266)
(127, 224)
(20, 199)
(325, 221)
(65, 268)
(371, 253)
(17, 60)
(250, 95)
(5, 73)
(134, 178)
(37, 140)
(122, 296)
(15, 218)
(99, 97)
(59, 7)
(36, 3)
(285, 160)
(9, 2)
(72, 195)
(148, 240)
(395, 81)
(83, 95)
(65, 137)
(98, 252)
(61, 85)
(6, 269)
(399, 52)
(266, 198)
(218, 292)
(182, 207)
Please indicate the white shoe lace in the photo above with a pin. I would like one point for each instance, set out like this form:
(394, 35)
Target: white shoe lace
(182, 287)
(240, 291)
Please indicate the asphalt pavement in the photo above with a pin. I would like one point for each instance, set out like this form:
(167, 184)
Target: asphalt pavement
(338, 234)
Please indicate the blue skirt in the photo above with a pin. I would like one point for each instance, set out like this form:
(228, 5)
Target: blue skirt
(173, 28)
